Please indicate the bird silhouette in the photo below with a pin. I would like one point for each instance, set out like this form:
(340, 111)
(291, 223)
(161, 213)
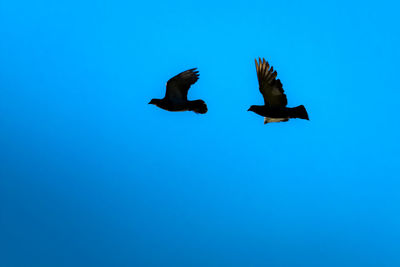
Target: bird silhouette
(275, 101)
(175, 98)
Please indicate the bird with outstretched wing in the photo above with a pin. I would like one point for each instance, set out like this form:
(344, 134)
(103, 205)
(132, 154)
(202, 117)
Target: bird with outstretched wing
(175, 98)
(275, 100)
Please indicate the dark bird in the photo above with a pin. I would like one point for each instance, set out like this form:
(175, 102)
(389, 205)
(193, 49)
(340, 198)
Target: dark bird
(275, 101)
(175, 98)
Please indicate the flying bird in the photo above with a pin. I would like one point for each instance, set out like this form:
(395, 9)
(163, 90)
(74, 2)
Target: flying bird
(275, 101)
(175, 98)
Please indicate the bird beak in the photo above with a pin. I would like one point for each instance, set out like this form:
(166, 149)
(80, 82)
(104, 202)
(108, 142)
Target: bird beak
(248, 109)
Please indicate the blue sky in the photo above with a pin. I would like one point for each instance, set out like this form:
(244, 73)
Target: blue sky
(91, 175)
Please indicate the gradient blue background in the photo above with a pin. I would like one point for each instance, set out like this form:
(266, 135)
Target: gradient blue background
(91, 175)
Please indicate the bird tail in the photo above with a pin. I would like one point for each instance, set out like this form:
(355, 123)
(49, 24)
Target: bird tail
(198, 106)
(299, 112)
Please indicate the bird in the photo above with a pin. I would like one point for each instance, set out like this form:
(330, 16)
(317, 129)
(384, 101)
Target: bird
(275, 101)
(175, 98)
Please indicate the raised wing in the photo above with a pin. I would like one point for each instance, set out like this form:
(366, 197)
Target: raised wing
(178, 86)
(270, 87)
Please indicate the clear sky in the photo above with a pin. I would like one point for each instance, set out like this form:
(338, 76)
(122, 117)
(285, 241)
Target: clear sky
(91, 175)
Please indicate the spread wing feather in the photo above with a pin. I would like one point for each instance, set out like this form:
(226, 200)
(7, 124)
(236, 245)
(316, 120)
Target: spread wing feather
(178, 86)
(270, 87)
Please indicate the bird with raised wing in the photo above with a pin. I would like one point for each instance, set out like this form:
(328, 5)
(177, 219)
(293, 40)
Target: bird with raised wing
(275, 101)
(175, 98)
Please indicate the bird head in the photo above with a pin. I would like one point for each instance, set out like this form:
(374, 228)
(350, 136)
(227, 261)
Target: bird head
(260, 110)
(154, 101)
(252, 108)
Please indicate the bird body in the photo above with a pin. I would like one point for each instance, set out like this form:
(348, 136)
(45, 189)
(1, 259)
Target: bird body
(275, 101)
(175, 98)
(280, 114)
(198, 106)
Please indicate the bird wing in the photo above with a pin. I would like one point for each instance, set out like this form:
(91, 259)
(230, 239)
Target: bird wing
(270, 87)
(178, 86)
